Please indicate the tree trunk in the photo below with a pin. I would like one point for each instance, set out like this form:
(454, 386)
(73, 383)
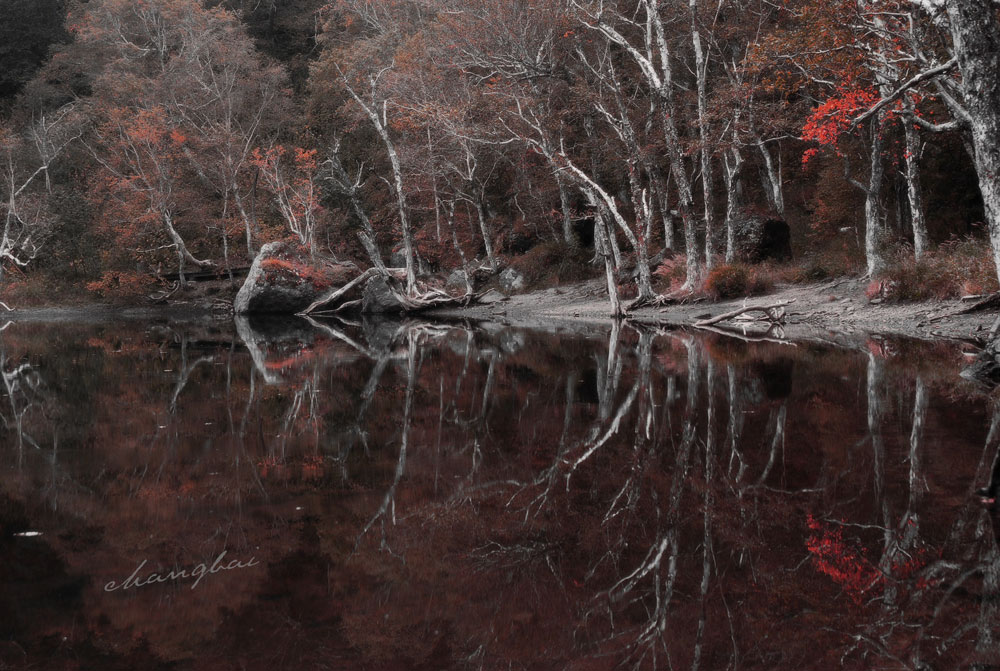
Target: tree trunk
(976, 36)
(733, 163)
(775, 190)
(601, 234)
(701, 72)
(481, 213)
(916, 201)
(660, 191)
(873, 199)
(569, 235)
(247, 222)
(673, 143)
(182, 251)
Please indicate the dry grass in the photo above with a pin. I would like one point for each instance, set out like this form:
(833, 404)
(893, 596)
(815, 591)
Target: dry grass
(738, 280)
(956, 268)
(553, 264)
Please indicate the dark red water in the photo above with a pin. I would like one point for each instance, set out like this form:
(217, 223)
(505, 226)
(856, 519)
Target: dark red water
(432, 497)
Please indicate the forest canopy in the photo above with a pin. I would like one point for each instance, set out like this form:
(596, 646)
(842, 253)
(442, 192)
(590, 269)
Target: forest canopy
(140, 137)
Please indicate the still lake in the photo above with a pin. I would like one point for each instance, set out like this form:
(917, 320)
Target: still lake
(379, 495)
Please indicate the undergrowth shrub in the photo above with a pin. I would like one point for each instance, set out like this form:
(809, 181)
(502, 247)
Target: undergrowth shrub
(956, 268)
(829, 265)
(553, 263)
(121, 284)
(738, 280)
(671, 274)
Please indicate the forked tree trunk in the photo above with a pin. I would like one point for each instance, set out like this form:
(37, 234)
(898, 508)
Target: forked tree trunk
(484, 229)
(397, 176)
(182, 251)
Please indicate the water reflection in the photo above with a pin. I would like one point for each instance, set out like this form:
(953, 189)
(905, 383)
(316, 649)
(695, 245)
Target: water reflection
(425, 496)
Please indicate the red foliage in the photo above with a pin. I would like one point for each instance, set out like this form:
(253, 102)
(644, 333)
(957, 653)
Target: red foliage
(122, 283)
(296, 270)
(831, 120)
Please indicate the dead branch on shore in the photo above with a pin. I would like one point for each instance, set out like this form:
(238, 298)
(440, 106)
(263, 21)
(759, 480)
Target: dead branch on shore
(774, 313)
(990, 302)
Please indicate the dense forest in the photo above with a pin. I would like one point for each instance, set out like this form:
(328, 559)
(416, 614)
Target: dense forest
(570, 139)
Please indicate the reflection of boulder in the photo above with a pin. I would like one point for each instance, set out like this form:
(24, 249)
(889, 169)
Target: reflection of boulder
(380, 334)
(761, 239)
(275, 344)
(511, 341)
(511, 281)
(284, 279)
(986, 367)
(776, 377)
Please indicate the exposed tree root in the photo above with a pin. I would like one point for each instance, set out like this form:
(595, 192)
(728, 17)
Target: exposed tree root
(419, 300)
(679, 297)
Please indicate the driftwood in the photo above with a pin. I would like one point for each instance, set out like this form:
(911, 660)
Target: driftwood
(774, 313)
(162, 296)
(990, 302)
(425, 300)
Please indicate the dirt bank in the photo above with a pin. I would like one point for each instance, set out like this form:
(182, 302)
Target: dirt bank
(831, 309)
(836, 311)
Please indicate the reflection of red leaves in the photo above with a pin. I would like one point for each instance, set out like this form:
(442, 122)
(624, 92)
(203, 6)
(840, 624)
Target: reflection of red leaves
(847, 566)
(312, 468)
(835, 558)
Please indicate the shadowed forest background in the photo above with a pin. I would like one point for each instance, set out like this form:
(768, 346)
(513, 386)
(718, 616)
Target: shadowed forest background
(564, 138)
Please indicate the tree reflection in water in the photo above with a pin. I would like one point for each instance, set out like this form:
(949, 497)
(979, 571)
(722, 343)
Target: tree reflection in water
(428, 496)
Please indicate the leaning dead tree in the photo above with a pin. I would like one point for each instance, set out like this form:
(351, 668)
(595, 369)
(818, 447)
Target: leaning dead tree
(426, 299)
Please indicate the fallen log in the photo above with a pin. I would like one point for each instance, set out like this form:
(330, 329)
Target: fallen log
(774, 313)
(990, 302)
